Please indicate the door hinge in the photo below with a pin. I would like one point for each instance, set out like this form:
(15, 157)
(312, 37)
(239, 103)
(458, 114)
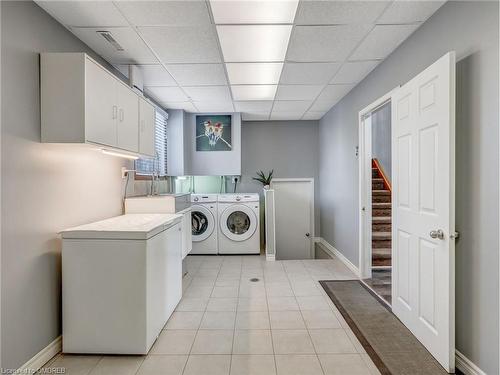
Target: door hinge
(455, 235)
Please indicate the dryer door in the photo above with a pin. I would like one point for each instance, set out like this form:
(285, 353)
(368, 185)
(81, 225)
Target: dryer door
(202, 223)
(238, 222)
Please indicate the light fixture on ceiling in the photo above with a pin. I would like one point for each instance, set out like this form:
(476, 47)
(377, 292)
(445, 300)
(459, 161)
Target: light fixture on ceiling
(110, 39)
(253, 12)
(254, 92)
(254, 73)
(254, 43)
(120, 154)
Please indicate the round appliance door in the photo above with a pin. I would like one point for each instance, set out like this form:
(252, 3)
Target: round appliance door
(238, 222)
(202, 223)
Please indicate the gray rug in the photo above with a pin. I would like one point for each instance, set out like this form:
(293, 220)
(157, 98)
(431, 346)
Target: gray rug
(390, 345)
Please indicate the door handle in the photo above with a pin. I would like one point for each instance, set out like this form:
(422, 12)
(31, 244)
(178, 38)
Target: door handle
(121, 114)
(308, 234)
(115, 109)
(437, 234)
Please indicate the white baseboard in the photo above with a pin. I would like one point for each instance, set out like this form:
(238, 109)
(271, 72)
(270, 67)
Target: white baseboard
(41, 358)
(334, 252)
(465, 365)
(270, 257)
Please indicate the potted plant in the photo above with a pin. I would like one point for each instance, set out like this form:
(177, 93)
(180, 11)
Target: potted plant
(264, 179)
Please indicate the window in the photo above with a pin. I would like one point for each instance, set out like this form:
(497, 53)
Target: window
(159, 163)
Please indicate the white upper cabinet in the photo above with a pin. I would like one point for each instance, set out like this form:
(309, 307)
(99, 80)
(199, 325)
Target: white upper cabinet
(127, 129)
(82, 102)
(146, 128)
(101, 110)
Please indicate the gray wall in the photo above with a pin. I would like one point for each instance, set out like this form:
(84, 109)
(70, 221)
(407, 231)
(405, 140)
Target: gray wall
(471, 29)
(381, 137)
(288, 147)
(45, 187)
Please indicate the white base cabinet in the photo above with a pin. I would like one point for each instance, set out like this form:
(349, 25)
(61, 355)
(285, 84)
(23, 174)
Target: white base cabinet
(117, 294)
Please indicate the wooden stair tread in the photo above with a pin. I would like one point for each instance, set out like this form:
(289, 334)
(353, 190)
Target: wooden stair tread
(381, 235)
(381, 219)
(381, 204)
(381, 192)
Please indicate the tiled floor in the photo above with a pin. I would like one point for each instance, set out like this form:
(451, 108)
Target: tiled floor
(284, 324)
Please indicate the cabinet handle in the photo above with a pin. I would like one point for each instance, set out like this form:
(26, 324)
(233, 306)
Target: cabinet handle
(121, 114)
(115, 109)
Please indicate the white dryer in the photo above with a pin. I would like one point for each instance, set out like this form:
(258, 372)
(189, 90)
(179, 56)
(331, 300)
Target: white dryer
(204, 223)
(239, 231)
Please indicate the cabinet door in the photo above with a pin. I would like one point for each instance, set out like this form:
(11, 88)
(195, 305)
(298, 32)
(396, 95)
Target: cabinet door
(146, 128)
(174, 267)
(100, 105)
(187, 242)
(127, 133)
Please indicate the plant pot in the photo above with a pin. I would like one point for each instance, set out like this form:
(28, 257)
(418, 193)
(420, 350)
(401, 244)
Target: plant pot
(267, 187)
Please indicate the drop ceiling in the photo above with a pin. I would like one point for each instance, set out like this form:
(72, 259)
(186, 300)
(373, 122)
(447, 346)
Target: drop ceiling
(269, 60)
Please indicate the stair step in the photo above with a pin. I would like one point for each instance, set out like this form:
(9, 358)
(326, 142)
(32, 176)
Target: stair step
(382, 251)
(381, 236)
(381, 220)
(381, 263)
(381, 205)
(381, 192)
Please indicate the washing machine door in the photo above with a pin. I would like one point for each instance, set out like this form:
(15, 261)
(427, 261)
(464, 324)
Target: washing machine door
(202, 223)
(238, 222)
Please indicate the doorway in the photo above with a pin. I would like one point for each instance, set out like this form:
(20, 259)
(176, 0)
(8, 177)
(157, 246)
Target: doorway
(376, 192)
(294, 217)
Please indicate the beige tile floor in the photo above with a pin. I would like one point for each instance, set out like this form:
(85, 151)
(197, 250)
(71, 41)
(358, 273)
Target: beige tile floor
(284, 324)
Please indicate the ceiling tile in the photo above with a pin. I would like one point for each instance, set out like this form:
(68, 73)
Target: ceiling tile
(325, 43)
(84, 13)
(254, 43)
(339, 12)
(148, 13)
(183, 44)
(254, 106)
(291, 105)
(332, 93)
(231, 12)
(135, 51)
(354, 72)
(381, 41)
(330, 96)
(255, 116)
(286, 115)
(253, 92)
(198, 74)
(156, 75)
(167, 94)
(187, 106)
(308, 73)
(254, 73)
(409, 11)
(298, 92)
(313, 115)
(214, 106)
(208, 93)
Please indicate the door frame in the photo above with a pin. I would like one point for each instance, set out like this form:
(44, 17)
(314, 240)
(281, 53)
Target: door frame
(311, 187)
(364, 186)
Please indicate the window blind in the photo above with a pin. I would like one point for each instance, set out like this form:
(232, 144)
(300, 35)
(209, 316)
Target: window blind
(159, 163)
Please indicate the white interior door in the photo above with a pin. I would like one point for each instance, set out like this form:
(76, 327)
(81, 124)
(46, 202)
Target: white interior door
(294, 215)
(423, 170)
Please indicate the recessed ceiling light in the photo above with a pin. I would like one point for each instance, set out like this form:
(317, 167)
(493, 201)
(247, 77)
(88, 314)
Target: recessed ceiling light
(254, 73)
(249, 43)
(254, 92)
(230, 12)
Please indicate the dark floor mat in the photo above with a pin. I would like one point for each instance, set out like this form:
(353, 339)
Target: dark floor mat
(390, 345)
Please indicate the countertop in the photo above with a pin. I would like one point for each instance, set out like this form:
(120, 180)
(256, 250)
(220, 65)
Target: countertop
(126, 227)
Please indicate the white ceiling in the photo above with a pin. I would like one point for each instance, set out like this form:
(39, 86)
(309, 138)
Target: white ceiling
(269, 59)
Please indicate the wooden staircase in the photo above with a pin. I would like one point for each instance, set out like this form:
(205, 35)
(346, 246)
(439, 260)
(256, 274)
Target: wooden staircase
(381, 217)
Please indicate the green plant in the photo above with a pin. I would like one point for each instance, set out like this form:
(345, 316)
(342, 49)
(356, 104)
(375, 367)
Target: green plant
(263, 178)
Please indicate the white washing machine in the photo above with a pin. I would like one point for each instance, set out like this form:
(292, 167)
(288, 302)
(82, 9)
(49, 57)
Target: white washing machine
(239, 231)
(204, 223)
